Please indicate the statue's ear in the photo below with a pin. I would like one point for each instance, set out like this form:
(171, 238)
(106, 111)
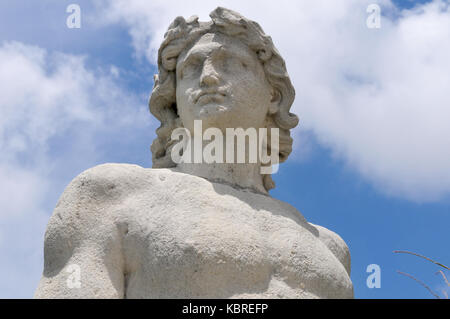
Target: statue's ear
(275, 101)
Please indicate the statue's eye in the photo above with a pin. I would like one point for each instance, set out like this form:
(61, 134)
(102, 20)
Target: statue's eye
(230, 63)
(187, 71)
(190, 67)
(244, 65)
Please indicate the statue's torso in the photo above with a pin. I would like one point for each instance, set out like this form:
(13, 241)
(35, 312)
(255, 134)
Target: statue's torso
(185, 237)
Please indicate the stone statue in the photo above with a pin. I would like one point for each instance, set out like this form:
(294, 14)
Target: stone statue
(192, 229)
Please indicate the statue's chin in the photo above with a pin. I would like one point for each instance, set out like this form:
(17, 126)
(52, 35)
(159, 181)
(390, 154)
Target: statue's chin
(212, 110)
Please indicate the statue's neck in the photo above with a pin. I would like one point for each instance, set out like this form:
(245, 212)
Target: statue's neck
(245, 175)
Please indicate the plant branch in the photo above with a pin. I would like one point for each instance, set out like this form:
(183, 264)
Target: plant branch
(421, 256)
(421, 283)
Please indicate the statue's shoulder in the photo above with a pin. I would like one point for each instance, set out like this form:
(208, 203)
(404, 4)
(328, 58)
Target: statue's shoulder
(99, 189)
(93, 200)
(114, 181)
(102, 177)
(336, 244)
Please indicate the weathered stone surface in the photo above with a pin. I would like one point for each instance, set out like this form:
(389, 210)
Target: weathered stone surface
(197, 230)
(159, 233)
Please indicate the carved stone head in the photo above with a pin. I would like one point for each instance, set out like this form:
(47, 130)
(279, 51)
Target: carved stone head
(225, 72)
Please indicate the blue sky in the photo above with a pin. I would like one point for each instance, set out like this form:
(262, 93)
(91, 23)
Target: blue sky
(371, 158)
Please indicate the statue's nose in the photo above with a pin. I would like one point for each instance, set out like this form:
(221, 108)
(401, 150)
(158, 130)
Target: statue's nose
(209, 76)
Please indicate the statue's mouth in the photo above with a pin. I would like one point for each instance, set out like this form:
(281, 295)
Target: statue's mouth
(208, 96)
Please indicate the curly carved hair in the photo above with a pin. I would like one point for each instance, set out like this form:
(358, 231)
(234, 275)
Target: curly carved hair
(179, 36)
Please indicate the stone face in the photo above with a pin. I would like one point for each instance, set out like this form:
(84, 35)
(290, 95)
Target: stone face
(197, 230)
(226, 73)
(159, 233)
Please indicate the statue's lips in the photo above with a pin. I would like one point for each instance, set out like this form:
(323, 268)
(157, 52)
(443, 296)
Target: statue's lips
(207, 97)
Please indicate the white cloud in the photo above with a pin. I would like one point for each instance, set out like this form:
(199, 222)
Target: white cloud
(54, 113)
(378, 98)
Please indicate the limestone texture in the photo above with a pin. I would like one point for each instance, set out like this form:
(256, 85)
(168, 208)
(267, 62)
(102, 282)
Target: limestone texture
(197, 229)
(159, 233)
